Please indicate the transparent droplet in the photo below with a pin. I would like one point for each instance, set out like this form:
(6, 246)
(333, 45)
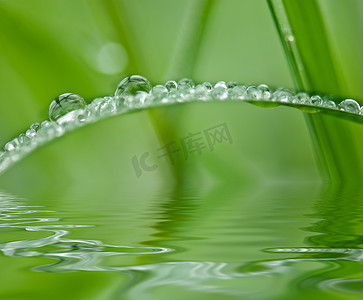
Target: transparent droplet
(30, 133)
(201, 92)
(64, 104)
(231, 84)
(107, 106)
(238, 92)
(265, 91)
(159, 92)
(301, 98)
(185, 89)
(329, 104)
(171, 85)
(208, 86)
(282, 95)
(220, 91)
(131, 85)
(101, 106)
(12, 145)
(349, 105)
(82, 118)
(316, 100)
(35, 126)
(188, 83)
(253, 93)
(45, 124)
(23, 138)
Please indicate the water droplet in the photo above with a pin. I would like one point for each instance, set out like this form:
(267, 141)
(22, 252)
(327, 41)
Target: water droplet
(30, 133)
(45, 124)
(131, 85)
(107, 106)
(301, 98)
(35, 126)
(12, 145)
(329, 104)
(282, 95)
(186, 89)
(265, 91)
(201, 92)
(186, 82)
(253, 93)
(171, 85)
(316, 100)
(208, 86)
(23, 138)
(220, 91)
(64, 104)
(349, 105)
(159, 92)
(238, 92)
(231, 84)
(290, 38)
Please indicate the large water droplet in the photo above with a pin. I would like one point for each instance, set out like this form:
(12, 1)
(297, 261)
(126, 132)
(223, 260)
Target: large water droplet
(130, 86)
(64, 104)
(349, 105)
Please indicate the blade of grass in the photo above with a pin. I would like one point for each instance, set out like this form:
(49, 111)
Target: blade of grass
(310, 56)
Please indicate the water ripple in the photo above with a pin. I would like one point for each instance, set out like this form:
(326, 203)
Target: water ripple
(71, 254)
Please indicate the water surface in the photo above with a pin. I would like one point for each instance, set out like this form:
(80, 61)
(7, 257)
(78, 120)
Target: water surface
(275, 242)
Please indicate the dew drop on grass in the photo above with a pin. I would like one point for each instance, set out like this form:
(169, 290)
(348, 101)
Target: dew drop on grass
(253, 93)
(171, 85)
(329, 104)
(131, 86)
(282, 95)
(201, 92)
(316, 100)
(69, 111)
(208, 86)
(349, 105)
(220, 91)
(301, 98)
(265, 91)
(64, 104)
(186, 83)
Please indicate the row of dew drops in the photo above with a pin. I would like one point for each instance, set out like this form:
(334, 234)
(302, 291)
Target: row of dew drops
(69, 111)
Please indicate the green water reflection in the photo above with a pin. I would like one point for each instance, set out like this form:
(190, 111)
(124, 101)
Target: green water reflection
(275, 242)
